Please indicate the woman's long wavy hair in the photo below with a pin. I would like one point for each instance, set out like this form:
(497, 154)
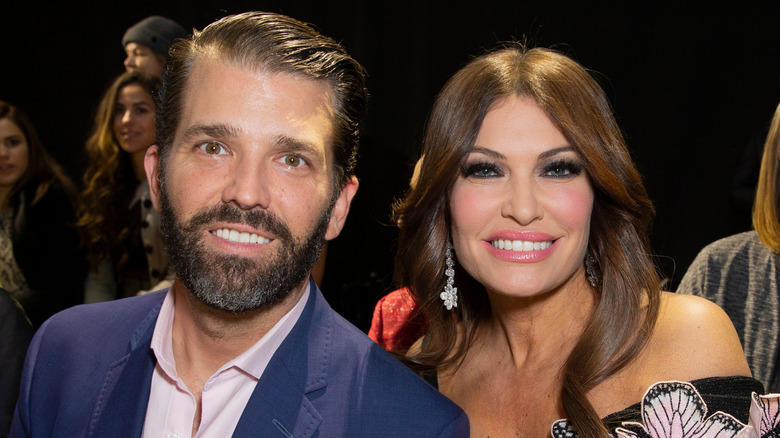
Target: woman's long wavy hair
(766, 206)
(619, 326)
(42, 171)
(109, 181)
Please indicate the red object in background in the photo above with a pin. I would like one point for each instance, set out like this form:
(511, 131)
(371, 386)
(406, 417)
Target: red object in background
(397, 324)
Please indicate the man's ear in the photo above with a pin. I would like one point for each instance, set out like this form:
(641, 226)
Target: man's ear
(152, 166)
(341, 208)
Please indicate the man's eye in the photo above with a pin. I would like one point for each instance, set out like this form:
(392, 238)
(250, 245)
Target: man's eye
(292, 160)
(212, 148)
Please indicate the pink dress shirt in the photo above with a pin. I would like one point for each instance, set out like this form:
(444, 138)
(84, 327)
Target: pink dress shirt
(171, 408)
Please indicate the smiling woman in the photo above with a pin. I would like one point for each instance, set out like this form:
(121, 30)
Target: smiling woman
(520, 166)
(118, 224)
(529, 222)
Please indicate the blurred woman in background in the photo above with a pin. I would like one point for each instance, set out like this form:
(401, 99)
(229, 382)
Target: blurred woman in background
(41, 262)
(119, 224)
(741, 272)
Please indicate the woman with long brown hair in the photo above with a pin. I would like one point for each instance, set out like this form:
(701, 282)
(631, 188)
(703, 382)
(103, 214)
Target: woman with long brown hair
(41, 264)
(525, 244)
(119, 225)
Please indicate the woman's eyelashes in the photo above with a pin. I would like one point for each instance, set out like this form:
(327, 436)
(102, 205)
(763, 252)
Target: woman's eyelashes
(482, 170)
(559, 168)
(562, 168)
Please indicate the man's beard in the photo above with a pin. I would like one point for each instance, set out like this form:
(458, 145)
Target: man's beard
(235, 283)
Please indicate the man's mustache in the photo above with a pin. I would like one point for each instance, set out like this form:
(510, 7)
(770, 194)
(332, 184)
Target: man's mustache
(255, 218)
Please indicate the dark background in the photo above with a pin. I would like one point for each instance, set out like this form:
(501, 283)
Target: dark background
(690, 83)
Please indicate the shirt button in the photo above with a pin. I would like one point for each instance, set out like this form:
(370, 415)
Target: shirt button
(155, 273)
(173, 435)
(149, 249)
(148, 204)
(145, 224)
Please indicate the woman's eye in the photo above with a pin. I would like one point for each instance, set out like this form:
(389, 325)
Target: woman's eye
(212, 148)
(293, 160)
(481, 170)
(562, 169)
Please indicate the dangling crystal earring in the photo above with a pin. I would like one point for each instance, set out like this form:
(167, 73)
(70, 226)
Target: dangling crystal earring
(450, 294)
(590, 270)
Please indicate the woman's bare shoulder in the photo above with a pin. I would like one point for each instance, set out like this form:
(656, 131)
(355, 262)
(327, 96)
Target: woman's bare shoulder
(694, 338)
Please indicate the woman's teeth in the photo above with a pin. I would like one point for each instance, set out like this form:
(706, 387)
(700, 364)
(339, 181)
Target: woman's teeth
(520, 245)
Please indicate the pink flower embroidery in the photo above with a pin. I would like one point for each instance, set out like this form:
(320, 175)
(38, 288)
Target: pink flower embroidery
(764, 419)
(677, 410)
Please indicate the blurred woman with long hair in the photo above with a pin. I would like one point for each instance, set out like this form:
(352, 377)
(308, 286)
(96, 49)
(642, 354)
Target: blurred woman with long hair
(41, 263)
(740, 272)
(119, 225)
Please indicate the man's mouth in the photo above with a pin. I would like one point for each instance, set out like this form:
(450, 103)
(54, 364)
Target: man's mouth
(239, 237)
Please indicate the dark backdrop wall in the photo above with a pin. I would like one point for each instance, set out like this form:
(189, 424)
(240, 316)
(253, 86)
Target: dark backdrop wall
(690, 83)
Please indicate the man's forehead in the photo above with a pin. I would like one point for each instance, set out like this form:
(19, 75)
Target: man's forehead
(210, 72)
(205, 63)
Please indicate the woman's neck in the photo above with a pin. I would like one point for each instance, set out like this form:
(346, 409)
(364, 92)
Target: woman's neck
(539, 330)
(137, 161)
(5, 196)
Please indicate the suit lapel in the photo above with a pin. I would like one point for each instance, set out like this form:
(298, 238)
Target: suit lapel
(281, 404)
(121, 406)
(278, 408)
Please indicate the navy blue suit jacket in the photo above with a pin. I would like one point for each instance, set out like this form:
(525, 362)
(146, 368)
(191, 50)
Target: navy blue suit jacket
(88, 373)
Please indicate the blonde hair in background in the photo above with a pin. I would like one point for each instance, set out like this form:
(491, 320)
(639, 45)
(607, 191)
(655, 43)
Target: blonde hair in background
(765, 218)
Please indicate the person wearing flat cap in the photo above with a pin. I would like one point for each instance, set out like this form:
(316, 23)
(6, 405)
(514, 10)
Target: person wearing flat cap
(146, 43)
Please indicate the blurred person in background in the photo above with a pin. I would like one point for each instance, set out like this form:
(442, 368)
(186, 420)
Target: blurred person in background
(120, 227)
(146, 44)
(41, 263)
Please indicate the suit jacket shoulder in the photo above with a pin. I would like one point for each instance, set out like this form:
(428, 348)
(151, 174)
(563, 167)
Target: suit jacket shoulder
(88, 373)
(329, 379)
(74, 361)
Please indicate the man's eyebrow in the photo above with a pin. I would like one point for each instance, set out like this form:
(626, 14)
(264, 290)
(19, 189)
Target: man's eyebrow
(297, 145)
(215, 130)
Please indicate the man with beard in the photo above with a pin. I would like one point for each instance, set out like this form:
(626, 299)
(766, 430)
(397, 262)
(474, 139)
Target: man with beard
(253, 171)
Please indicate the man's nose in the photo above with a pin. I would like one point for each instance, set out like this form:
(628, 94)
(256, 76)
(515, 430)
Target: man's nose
(249, 184)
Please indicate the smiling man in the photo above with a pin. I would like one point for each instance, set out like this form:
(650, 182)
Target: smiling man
(253, 172)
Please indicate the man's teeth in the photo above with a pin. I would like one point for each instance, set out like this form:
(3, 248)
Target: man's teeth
(235, 236)
(520, 245)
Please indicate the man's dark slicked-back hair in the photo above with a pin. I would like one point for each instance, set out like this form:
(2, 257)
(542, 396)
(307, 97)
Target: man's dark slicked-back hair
(277, 44)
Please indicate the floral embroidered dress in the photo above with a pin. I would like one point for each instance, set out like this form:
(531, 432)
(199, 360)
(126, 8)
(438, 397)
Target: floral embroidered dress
(716, 407)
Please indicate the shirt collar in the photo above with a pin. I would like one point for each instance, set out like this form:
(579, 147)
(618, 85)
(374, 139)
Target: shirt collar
(252, 361)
